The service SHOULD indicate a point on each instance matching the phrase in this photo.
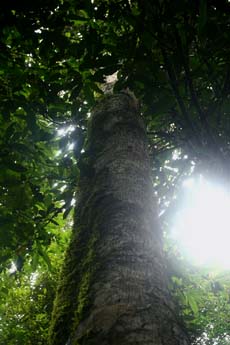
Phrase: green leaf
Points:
(135, 11)
(48, 200)
(192, 303)
(44, 255)
(4, 290)
(83, 14)
(54, 222)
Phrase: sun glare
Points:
(202, 226)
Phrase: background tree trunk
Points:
(113, 289)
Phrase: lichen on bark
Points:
(114, 289)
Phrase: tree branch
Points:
(224, 93)
(194, 98)
(175, 88)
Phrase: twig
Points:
(224, 93)
(194, 97)
(175, 88)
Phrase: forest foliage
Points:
(55, 58)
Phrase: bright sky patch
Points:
(202, 226)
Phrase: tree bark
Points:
(113, 289)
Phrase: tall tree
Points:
(174, 57)
(113, 288)
(54, 58)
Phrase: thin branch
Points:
(175, 88)
(220, 91)
(215, 83)
(225, 91)
(194, 97)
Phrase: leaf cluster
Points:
(55, 59)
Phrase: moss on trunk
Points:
(113, 289)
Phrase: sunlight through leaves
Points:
(202, 225)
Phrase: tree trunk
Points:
(114, 288)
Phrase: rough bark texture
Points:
(113, 289)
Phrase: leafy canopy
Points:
(54, 60)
